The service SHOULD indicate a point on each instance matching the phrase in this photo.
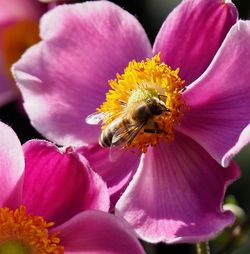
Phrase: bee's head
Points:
(156, 106)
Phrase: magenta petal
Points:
(219, 102)
(192, 33)
(65, 77)
(95, 232)
(117, 174)
(11, 168)
(61, 182)
(176, 194)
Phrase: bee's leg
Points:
(154, 130)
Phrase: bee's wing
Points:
(126, 134)
(122, 137)
(95, 118)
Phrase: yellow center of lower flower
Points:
(148, 100)
(16, 39)
(22, 233)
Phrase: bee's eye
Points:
(156, 109)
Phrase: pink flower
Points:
(177, 186)
(56, 186)
(18, 31)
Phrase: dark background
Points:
(151, 14)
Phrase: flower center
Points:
(16, 39)
(22, 233)
(147, 99)
(13, 247)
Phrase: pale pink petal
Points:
(117, 174)
(192, 33)
(61, 181)
(95, 232)
(65, 77)
(11, 168)
(219, 102)
(176, 194)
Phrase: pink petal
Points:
(117, 174)
(11, 168)
(7, 90)
(95, 232)
(19, 10)
(192, 33)
(47, 1)
(176, 194)
(62, 182)
(7, 94)
(65, 77)
(11, 12)
(219, 102)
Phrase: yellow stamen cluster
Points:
(28, 233)
(140, 81)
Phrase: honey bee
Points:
(125, 127)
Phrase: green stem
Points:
(235, 239)
(202, 248)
